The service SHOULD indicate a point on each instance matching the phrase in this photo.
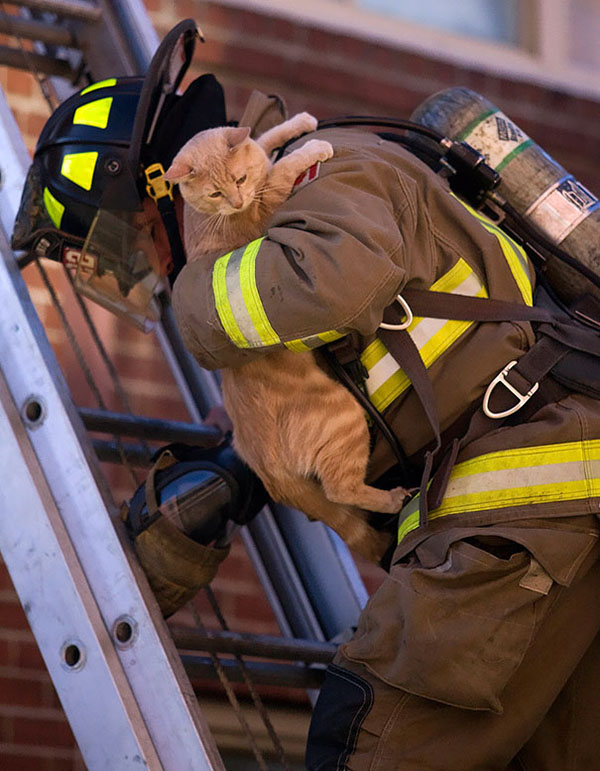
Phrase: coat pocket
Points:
(454, 632)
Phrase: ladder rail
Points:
(153, 670)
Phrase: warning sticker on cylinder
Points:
(497, 138)
(561, 208)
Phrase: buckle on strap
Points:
(500, 379)
(158, 186)
(407, 321)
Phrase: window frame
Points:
(543, 56)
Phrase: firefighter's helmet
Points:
(98, 159)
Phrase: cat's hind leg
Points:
(341, 458)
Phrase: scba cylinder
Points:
(539, 188)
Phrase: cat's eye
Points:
(241, 180)
(216, 194)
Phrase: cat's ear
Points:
(178, 171)
(235, 136)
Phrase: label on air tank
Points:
(559, 210)
(496, 137)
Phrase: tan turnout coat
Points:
(353, 233)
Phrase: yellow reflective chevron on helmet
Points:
(101, 84)
(54, 208)
(79, 168)
(569, 471)
(94, 113)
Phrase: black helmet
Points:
(98, 160)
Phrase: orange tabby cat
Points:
(301, 431)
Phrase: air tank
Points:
(537, 186)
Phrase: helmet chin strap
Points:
(161, 192)
(169, 218)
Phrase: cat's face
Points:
(220, 171)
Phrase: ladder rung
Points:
(51, 34)
(15, 57)
(290, 675)
(69, 9)
(267, 646)
(121, 453)
(149, 428)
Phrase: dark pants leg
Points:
(550, 718)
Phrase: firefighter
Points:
(479, 650)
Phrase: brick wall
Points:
(312, 69)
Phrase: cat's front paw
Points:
(304, 122)
(319, 149)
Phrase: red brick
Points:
(5, 579)
(11, 761)
(29, 656)
(21, 691)
(42, 733)
(13, 615)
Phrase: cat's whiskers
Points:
(210, 225)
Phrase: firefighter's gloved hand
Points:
(182, 519)
(176, 566)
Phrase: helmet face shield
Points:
(119, 266)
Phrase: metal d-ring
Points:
(407, 311)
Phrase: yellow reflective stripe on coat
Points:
(240, 308)
(518, 477)
(432, 337)
(314, 341)
(514, 253)
(237, 301)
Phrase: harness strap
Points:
(558, 334)
(402, 344)
(446, 305)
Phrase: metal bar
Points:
(15, 57)
(265, 646)
(132, 18)
(149, 428)
(328, 571)
(122, 44)
(290, 675)
(202, 384)
(111, 452)
(50, 34)
(68, 9)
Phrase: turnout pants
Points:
(482, 662)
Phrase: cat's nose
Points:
(236, 200)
